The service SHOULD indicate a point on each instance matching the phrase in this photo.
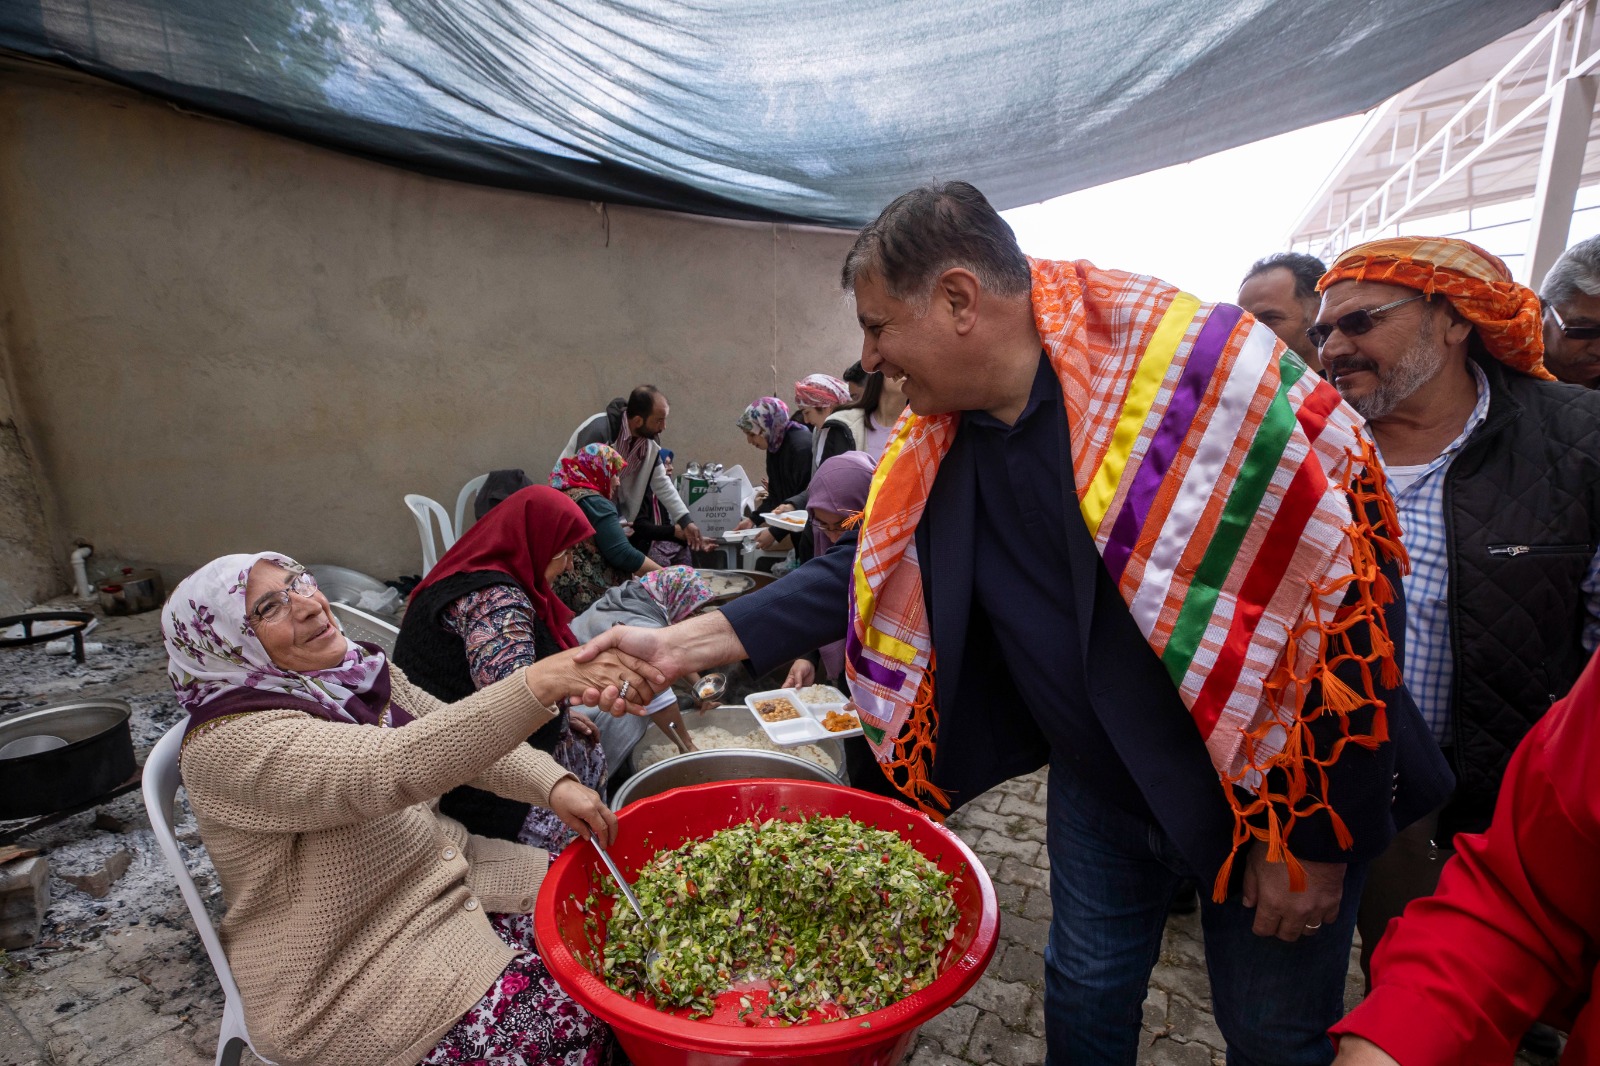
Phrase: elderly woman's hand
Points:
(583, 812)
(614, 681)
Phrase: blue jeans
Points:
(1112, 876)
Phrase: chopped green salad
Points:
(835, 915)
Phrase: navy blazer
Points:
(987, 735)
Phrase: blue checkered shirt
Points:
(1420, 505)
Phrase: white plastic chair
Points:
(427, 511)
(161, 781)
(468, 491)
(363, 625)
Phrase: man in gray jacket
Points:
(633, 426)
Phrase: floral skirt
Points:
(541, 828)
(525, 1019)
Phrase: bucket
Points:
(132, 592)
(653, 1037)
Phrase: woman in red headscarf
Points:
(606, 559)
(486, 610)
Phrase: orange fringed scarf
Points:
(1217, 477)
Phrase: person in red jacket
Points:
(1513, 933)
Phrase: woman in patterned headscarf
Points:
(364, 927)
(606, 559)
(787, 444)
(661, 598)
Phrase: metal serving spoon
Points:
(653, 957)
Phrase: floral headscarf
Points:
(213, 653)
(821, 390)
(677, 589)
(592, 468)
(768, 416)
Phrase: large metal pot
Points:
(718, 764)
(40, 776)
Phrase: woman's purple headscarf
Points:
(841, 484)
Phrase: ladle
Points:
(654, 956)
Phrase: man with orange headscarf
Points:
(1495, 471)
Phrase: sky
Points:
(1197, 225)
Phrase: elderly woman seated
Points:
(657, 600)
(486, 610)
(362, 926)
(606, 559)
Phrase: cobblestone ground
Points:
(1002, 1019)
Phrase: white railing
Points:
(1564, 47)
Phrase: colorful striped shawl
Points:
(1213, 470)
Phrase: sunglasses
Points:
(1573, 333)
(1357, 322)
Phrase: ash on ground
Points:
(130, 665)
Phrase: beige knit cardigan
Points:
(357, 924)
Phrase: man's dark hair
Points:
(1307, 271)
(930, 230)
(854, 375)
(642, 401)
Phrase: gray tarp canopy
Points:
(811, 110)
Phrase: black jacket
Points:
(1522, 512)
(986, 734)
(788, 468)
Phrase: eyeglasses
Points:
(274, 606)
(1357, 322)
(1573, 333)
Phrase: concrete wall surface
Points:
(224, 340)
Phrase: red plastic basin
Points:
(653, 1037)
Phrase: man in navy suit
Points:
(1011, 577)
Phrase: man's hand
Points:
(1354, 1051)
(580, 808)
(765, 540)
(745, 523)
(801, 674)
(595, 680)
(702, 642)
(782, 508)
(1283, 913)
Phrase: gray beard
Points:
(1420, 365)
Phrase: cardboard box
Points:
(716, 505)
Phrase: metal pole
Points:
(1566, 137)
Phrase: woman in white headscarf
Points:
(362, 926)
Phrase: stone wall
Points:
(237, 341)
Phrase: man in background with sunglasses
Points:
(1571, 296)
(1494, 468)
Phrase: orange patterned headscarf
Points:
(1506, 315)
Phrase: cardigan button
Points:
(448, 854)
(471, 904)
